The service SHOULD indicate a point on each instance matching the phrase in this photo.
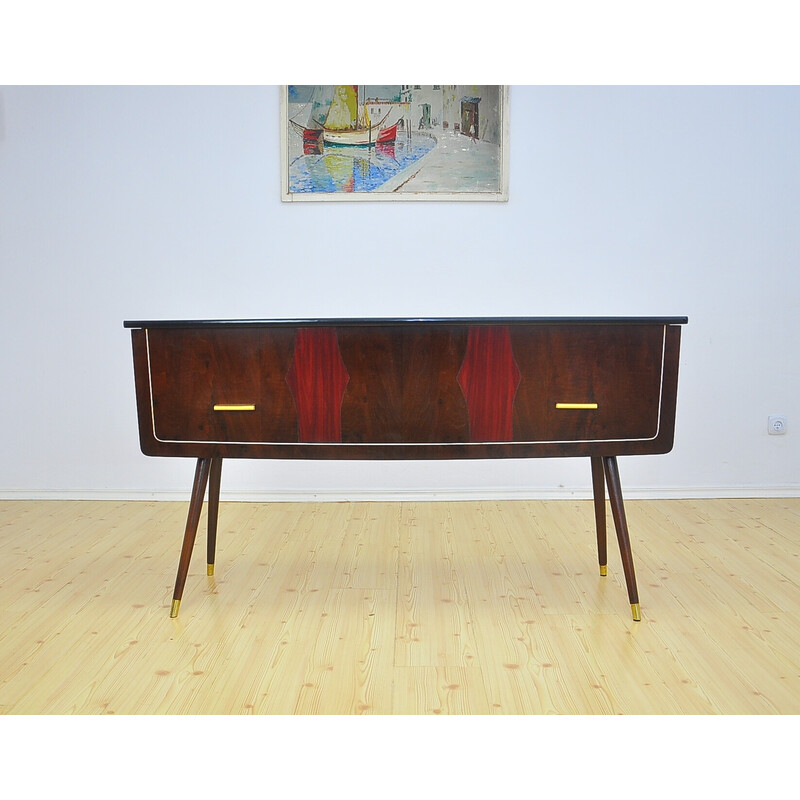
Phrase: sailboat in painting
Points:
(346, 122)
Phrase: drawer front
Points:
(588, 383)
(221, 385)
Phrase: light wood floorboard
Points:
(400, 608)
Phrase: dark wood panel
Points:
(617, 367)
(434, 408)
(192, 371)
(372, 410)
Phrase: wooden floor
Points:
(400, 608)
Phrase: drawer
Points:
(221, 385)
(588, 383)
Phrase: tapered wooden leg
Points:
(195, 507)
(213, 512)
(621, 525)
(599, 491)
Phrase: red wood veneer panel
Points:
(317, 379)
(489, 378)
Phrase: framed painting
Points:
(405, 142)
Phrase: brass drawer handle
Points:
(234, 407)
(577, 405)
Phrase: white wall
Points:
(157, 202)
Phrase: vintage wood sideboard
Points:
(475, 388)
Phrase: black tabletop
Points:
(385, 321)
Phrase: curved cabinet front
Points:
(403, 389)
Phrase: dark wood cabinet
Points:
(407, 389)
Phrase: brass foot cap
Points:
(176, 604)
(637, 614)
(209, 569)
(604, 570)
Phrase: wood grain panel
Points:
(617, 367)
(489, 378)
(434, 409)
(194, 370)
(372, 409)
(318, 378)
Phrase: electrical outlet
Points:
(776, 425)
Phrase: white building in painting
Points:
(469, 109)
(425, 106)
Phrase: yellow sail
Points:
(343, 113)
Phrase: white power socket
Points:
(776, 425)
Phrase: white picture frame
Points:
(394, 143)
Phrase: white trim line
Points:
(398, 445)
